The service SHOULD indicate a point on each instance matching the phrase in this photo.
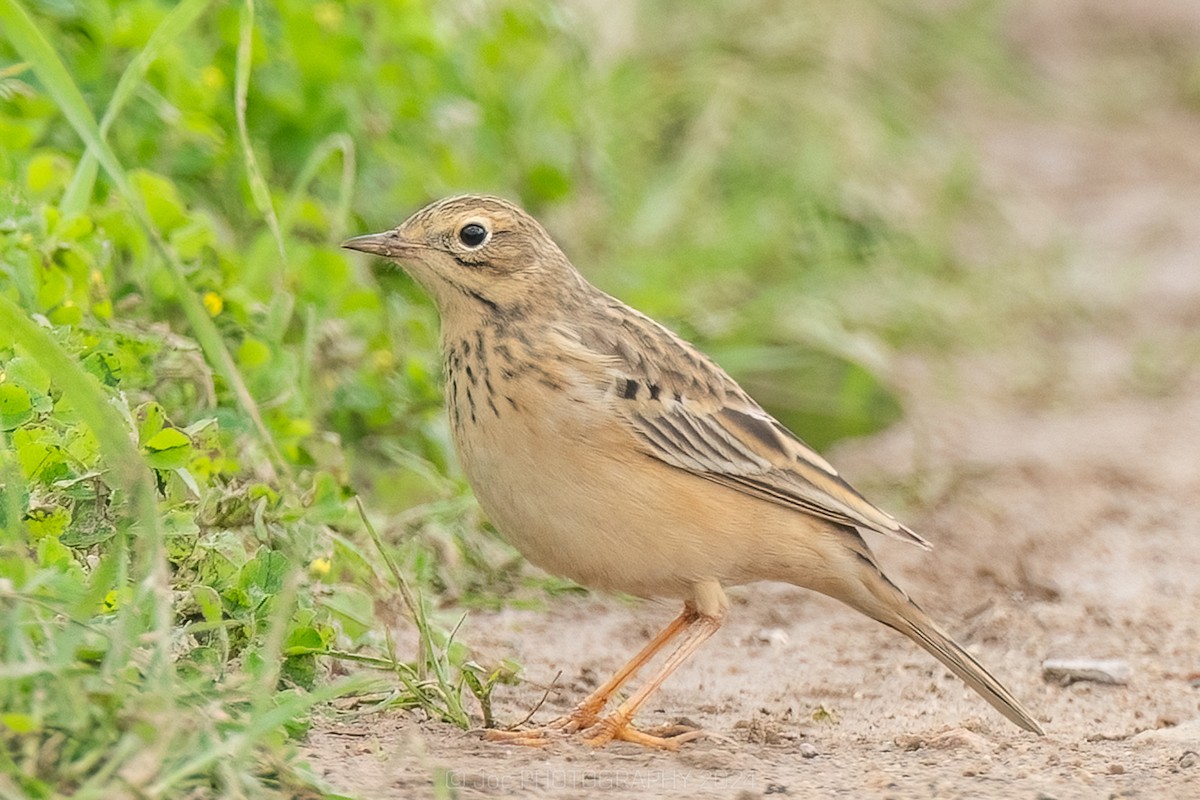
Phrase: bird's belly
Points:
(582, 501)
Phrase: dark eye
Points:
(472, 234)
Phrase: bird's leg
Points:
(585, 713)
(617, 725)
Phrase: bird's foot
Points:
(583, 716)
(534, 737)
(618, 727)
(598, 732)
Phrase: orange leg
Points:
(584, 715)
(617, 725)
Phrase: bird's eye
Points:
(472, 234)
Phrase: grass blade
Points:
(261, 725)
(258, 185)
(432, 655)
(334, 143)
(29, 42)
(179, 20)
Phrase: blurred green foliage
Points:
(766, 177)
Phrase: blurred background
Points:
(812, 192)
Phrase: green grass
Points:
(224, 464)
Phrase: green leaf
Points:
(301, 670)
(306, 639)
(20, 723)
(41, 458)
(151, 419)
(546, 183)
(47, 521)
(33, 46)
(52, 288)
(209, 602)
(46, 173)
(66, 314)
(168, 449)
(253, 353)
(16, 407)
(53, 553)
(106, 366)
(353, 607)
(264, 573)
(26, 372)
(166, 207)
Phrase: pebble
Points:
(771, 636)
(807, 750)
(1066, 671)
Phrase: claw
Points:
(585, 721)
(665, 737)
(582, 717)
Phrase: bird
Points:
(609, 450)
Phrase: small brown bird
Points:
(610, 451)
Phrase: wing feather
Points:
(747, 450)
(686, 411)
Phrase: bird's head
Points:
(475, 252)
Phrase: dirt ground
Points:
(1059, 479)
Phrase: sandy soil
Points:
(1059, 478)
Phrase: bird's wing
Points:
(687, 412)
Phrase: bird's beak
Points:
(388, 244)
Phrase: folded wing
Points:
(726, 438)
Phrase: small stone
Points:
(1066, 671)
(1188, 759)
(772, 636)
(1116, 769)
(807, 750)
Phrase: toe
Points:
(538, 737)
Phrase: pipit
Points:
(610, 451)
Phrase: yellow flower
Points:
(212, 77)
(328, 15)
(320, 567)
(213, 303)
(382, 359)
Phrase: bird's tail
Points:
(879, 598)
